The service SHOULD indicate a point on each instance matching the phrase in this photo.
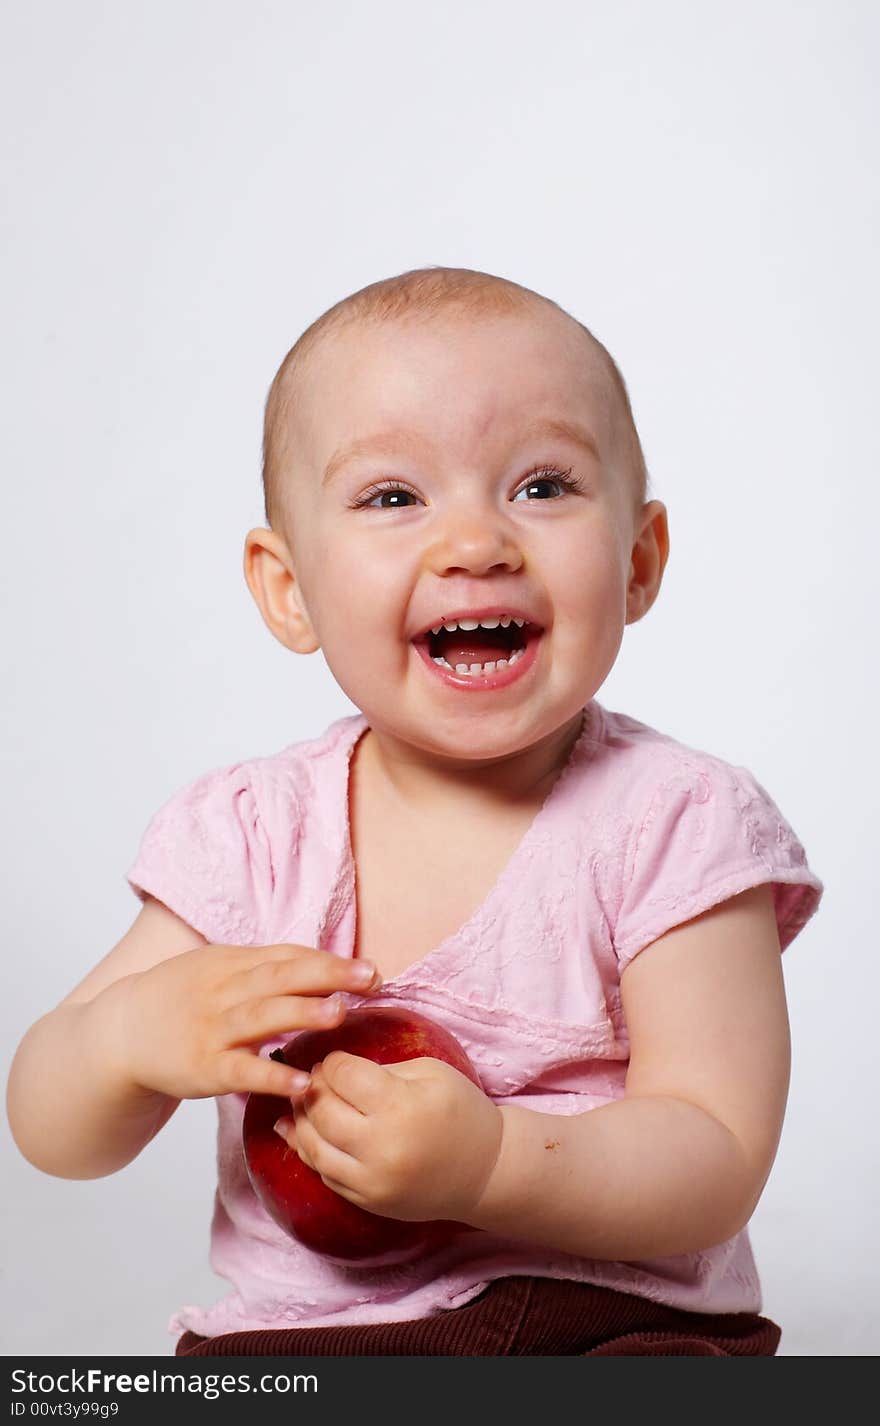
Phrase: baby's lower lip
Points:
(482, 683)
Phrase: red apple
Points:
(293, 1194)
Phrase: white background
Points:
(186, 187)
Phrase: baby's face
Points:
(470, 428)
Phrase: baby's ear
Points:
(271, 579)
(650, 552)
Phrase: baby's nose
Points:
(476, 542)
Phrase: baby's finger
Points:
(345, 1191)
(251, 1022)
(336, 1121)
(326, 1159)
(286, 1130)
(362, 1083)
(243, 1072)
(303, 972)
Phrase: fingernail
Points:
(363, 972)
(283, 1126)
(298, 1082)
(332, 1005)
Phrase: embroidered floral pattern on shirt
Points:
(638, 834)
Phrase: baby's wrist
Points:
(503, 1187)
(110, 1032)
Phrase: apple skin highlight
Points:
(296, 1197)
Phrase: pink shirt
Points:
(638, 834)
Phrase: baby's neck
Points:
(414, 783)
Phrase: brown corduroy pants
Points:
(518, 1317)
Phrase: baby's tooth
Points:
(476, 670)
(469, 624)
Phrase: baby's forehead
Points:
(344, 381)
(550, 358)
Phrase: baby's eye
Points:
(550, 476)
(542, 475)
(376, 492)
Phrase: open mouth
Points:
(478, 646)
(480, 650)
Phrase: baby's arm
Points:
(678, 1164)
(70, 1109)
(675, 1166)
(164, 1016)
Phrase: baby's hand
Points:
(413, 1140)
(191, 1026)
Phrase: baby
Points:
(457, 512)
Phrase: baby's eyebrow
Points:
(387, 442)
(381, 444)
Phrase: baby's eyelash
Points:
(564, 478)
(549, 472)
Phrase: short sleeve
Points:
(710, 831)
(204, 854)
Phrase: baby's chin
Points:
(463, 745)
